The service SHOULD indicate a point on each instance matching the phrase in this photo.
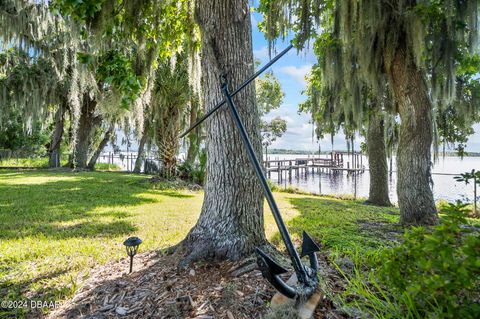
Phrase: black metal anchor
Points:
(271, 270)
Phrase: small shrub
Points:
(433, 273)
(274, 187)
(194, 172)
(107, 167)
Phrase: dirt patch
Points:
(157, 289)
(381, 229)
(332, 284)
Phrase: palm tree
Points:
(170, 99)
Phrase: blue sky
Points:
(291, 70)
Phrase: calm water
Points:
(445, 187)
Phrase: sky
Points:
(291, 70)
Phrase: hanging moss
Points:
(352, 40)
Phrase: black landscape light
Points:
(132, 244)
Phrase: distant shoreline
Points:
(302, 152)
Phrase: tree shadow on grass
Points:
(175, 194)
(67, 207)
(338, 224)
(13, 292)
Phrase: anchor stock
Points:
(241, 87)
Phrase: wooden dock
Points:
(334, 163)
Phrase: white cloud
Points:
(300, 131)
(261, 54)
(298, 73)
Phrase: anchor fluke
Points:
(308, 246)
(274, 267)
(271, 270)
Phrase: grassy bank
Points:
(42, 162)
(55, 227)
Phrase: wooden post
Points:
(354, 186)
(279, 172)
(474, 194)
(290, 170)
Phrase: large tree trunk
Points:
(141, 146)
(194, 136)
(377, 161)
(101, 146)
(54, 149)
(415, 196)
(231, 222)
(86, 123)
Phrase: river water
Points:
(341, 183)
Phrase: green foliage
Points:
(474, 176)
(433, 273)
(269, 93)
(269, 97)
(466, 177)
(28, 84)
(272, 130)
(136, 31)
(14, 136)
(194, 172)
(107, 167)
(80, 10)
(116, 69)
(354, 42)
(171, 96)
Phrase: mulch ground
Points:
(158, 289)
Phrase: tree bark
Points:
(101, 146)
(194, 136)
(415, 196)
(141, 146)
(87, 122)
(167, 140)
(231, 221)
(54, 149)
(377, 161)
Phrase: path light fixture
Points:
(131, 244)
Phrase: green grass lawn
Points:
(42, 162)
(56, 226)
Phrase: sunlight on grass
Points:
(32, 180)
(343, 226)
(56, 226)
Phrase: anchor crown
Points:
(272, 270)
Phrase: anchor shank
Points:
(241, 87)
(297, 264)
